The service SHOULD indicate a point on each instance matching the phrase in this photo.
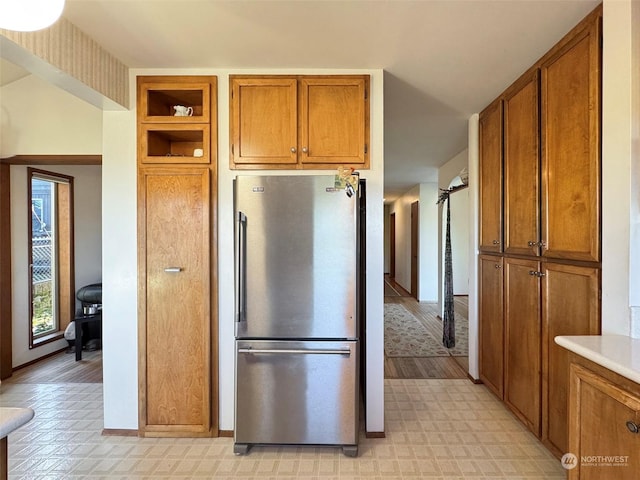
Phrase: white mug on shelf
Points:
(182, 111)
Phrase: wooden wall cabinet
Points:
(300, 122)
(523, 335)
(604, 412)
(492, 323)
(175, 314)
(571, 120)
(177, 283)
(522, 167)
(491, 165)
(570, 306)
(540, 141)
(165, 138)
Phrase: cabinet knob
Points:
(498, 266)
(633, 427)
(496, 242)
(532, 243)
(305, 150)
(293, 149)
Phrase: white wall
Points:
(474, 232)
(38, 118)
(428, 243)
(620, 119)
(427, 196)
(119, 248)
(88, 248)
(460, 212)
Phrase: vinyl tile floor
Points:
(436, 429)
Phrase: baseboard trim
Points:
(476, 381)
(119, 432)
(375, 435)
(225, 433)
(33, 362)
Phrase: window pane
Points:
(42, 256)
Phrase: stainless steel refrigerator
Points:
(297, 289)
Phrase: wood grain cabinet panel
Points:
(602, 417)
(264, 118)
(522, 167)
(175, 336)
(492, 323)
(491, 178)
(523, 333)
(571, 137)
(570, 306)
(333, 126)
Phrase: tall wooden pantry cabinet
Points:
(540, 142)
(177, 302)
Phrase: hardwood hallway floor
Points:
(423, 367)
(61, 368)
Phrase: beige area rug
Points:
(407, 336)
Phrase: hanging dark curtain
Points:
(448, 320)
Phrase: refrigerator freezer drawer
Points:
(295, 392)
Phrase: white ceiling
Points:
(443, 59)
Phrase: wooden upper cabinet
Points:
(264, 120)
(299, 122)
(491, 178)
(491, 323)
(522, 167)
(164, 136)
(333, 126)
(571, 140)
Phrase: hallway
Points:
(423, 367)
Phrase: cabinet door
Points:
(600, 411)
(174, 301)
(522, 167)
(570, 306)
(522, 341)
(263, 122)
(333, 121)
(571, 139)
(491, 324)
(491, 178)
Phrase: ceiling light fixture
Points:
(29, 15)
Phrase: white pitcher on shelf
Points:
(182, 111)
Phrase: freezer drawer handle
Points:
(340, 351)
(173, 269)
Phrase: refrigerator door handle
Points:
(296, 351)
(241, 267)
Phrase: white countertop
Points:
(618, 353)
(13, 418)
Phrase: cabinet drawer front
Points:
(296, 392)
